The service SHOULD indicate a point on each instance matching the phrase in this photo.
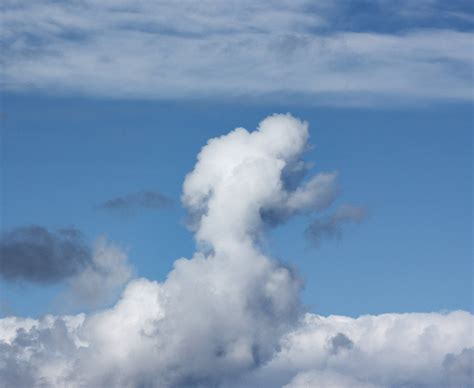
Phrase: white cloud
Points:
(233, 49)
(124, 346)
(102, 279)
(324, 379)
(388, 350)
(230, 316)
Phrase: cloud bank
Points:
(230, 316)
(315, 52)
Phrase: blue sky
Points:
(411, 168)
(107, 100)
(237, 193)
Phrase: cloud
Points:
(100, 282)
(306, 51)
(459, 368)
(123, 347)
(230, 316)
(35, 254)
(324, 379)
(388, 350)
(142, 199)
(331, 226)
(340, 341)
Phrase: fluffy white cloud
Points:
(124, 346)
(230, 316)
(163, 49)
(389, 350)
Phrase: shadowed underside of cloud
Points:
(316, 52)
(142, 199)
(231, 316)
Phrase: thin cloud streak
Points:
(135, 201)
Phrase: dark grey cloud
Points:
(33, 253)
(142, 199)
(340, 341)
(331, 227)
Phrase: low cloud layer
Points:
(124, 347)
(230, 316)
(135, 201)
(317, 52)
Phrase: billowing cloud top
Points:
(239, 175)
(230, 316)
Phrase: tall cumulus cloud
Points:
(230, 316)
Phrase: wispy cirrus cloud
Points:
(324, 52)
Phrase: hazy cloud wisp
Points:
(140, 200)
(331, 227)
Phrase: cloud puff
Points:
(331, 227)
(100, 281)
(231, 316)
(35, 254)
(340, 341)
(142, 199)
(231, 49)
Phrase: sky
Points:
(342, 211)
(411, 169)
